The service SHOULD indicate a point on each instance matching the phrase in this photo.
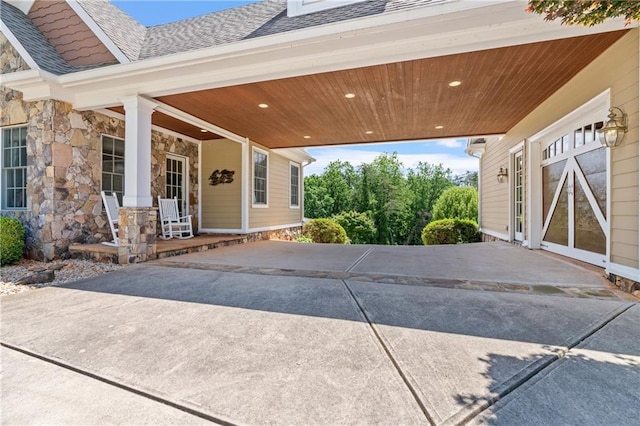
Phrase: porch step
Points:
(164, 248)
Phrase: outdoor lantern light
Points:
(614, 129)
(502, 175)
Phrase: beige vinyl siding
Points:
(616, 69)
(278, 184)
(221, 204)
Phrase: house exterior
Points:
(97, 101)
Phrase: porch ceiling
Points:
(398, 101)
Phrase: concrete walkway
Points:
(158, 344)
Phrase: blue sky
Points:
(449, 152)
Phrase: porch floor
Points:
(164, 248)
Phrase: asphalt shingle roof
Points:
(127, 33)
(245, 22)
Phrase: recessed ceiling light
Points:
(455, 83)
(349, 95)
(203, 130)
(307, 137)
(439, 127)
(369, 132)
(263, 105)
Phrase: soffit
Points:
(398, 101)
(167, 122)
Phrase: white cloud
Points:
(449, 143)
(457, 163)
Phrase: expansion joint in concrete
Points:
(394, 362)
(122, 386)
(536, 371)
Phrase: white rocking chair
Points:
(172, 224)
(111, 206)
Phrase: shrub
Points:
(325, 231)
(303, 239)
(458, 202)
(359, 227)
(12, 236)
(450, 231)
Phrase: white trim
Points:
(167, 132)
(253, 177)
(98, 32)
(246, 162)
(299, 155)
(19, 48)
(297, 7)
(495, 234)
(514, 152)
(27, 206)
(185, 178)
(24, 5)
(221, 231)
(294, 206)
(623, 271)
(195, 121)
(200, 229)
(589, 109)
(596, 259)
(275, 227)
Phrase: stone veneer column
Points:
(137, 234)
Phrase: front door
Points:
(574, 195)
(176, 181)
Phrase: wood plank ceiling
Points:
(400, 101)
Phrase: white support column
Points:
(137, 152)
(246, 184)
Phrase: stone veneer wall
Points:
(63, 167)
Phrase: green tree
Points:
(458, 202)
(360, 227)
(426, 183)
(585, 12)
(383, 191)
(467, 179)
(317, 201)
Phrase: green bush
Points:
(303, 239)
(325, 231)
(458, 202)
(12, 236)
(359, 227)
(450, 231)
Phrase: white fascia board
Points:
(18, 46)
(297, 155)
(35, 85)
(95, 29)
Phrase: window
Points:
(294, 173)
(260, 175)
(14, 168)
(113, 166)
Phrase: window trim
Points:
(294, 206)
(255, 205)
(124, 174)
(3, 204)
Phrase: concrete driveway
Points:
(249, 337)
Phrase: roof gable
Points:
(68, 34)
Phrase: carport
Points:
(287, 333)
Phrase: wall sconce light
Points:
(614, 129)
(502, 175)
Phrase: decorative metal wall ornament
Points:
(221, 176)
